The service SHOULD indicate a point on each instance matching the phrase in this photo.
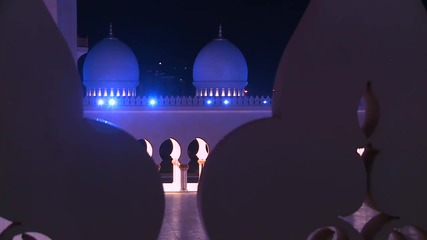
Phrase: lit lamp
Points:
(100, 102)
(201, 154)
(112, 102)
(152, 102)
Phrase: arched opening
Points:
(169, 151)
(166, 166)
(198, 151)
(147, 146)
(149, 149)
(192, 150)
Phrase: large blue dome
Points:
(220, 67)
(111, 64)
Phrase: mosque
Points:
(317, 176)
(177, 131)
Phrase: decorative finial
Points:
(111, 30)
(220, 32)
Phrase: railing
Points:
(177, 101)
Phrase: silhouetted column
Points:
(201, 163)
(184, 169)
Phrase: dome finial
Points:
(220, 32)
(111, 30)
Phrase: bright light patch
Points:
(176, 150)
(152, 102)
(360, 151)
(101, 102)
(112, 102)
(203, 151)
(226, 102)
(149, 148)
(106, 122)
(209, 102)
(264, 102)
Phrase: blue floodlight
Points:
(264, 102)
(152, 102)
(112, 102)
(226, 102)
(100, 102)
(209, 101)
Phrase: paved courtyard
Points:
(181, 220)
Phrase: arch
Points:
(147, 146)
(169, 151)
(176, 150)
(198, 151)
(203, 151)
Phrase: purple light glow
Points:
(112, 102)
(152, 102)
(100, 102)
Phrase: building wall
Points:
(183, 124)
(53, 9)
(64, 13)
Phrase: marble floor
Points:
(181, 220)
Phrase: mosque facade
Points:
(177, 131)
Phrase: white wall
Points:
(64, 13)
(180, 123)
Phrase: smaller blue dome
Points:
(220, 67)
(220, 64)
(111, 63)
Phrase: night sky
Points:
(174, 31)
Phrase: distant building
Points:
(176, 130)
(220, 69)
(64, 13)
(111, 69)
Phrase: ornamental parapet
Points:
(170, 101)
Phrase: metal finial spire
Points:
(220, 32)
(111, 30)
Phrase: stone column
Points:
(184, 169)
(201, 163)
